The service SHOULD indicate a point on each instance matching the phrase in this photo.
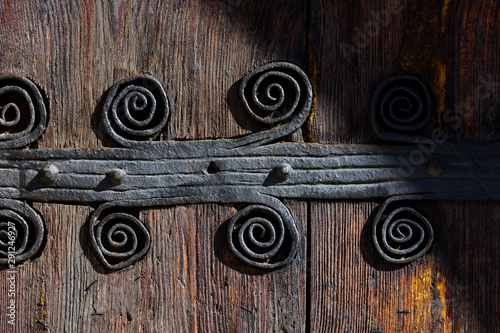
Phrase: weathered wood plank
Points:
(188, 281)
(453, 48)
(219, 293)
(198, 50)
(51, 290)
(345, 65)
(453, 288)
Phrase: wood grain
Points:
(346, 65)
(453, 47)
(76, 50)
(188, 282)
(453, 288)
(199, 50)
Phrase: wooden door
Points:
(75, 51)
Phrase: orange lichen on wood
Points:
(421, 290)
(447, 325)
(41, 310)
(423, 50)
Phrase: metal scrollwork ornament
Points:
(401, 106)
(258, 171)
(401, 234)
(119, 239)
(274, 93)
(279, 95)
(261, 237)
(21, 232)
(23, 113)
(136, 109)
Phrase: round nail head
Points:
(284, 171)
(49, 173)
(117, 176)
(436, 167)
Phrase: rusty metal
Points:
(180, 169)
(119, 239)
(256, 170)
(284, 171)
(275, 93)
(117, 176)
(49, 173)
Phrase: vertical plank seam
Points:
(308, 137)
(308, 269)
(312, 72)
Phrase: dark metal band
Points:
(185, 169)
(253, 170)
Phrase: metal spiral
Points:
(136, 109)
(401, 104)
(23, 115)
(403, 236)
(258, 236)
(21, 232)
(119, 240)
(12, 108)
(276, 93)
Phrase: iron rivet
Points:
(436, 167)
(284, 171)
(117, 176)
(49, 173)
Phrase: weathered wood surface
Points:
(188, 282)
(453, 47)
(75, 50)
(453, 288)
(199, 49)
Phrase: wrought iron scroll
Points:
(262, 237)
(400, 233)
(23, 114)
(136, 110)
(119, 239)
(401, 108)
(278, 94)
(255, 171)
(21, 232)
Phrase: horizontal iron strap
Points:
(318, 171)
(221, 148)
(467, 189)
